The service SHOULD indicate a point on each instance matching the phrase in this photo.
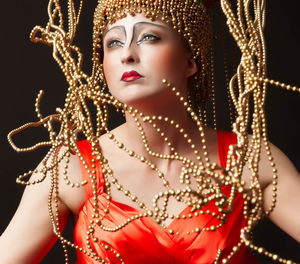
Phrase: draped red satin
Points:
(144, 241)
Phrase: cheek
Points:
(109, 68)
(168, 61)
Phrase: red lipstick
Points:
(131, 76)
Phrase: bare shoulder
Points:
(275, 164)
(119, 132)
(71, 193)
(108, 147)
(282, 185)
(67, 173)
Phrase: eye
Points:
(114, 43)
(148, 37)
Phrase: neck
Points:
(161, 114)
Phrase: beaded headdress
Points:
(247, 90)
(189, 18)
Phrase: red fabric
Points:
(144, 241)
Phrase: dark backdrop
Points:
(26, 68)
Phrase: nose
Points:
(129, 55)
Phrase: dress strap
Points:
(225, 139)
(86, 152)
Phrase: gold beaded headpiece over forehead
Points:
(189, 18)
(245, 20)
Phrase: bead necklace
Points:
(159, 214)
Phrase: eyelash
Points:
(114, 43)
(151, 37)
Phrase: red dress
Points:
(144, 241)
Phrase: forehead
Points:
(131, 20)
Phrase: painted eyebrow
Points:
(115, 27)
(138, 24)
(135, 26)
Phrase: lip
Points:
(131, 76)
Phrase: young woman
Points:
(162, 187)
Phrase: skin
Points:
(128, 46)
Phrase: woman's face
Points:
(139, 54)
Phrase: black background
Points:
(27, 68)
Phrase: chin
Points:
(138, 94)
(136, 101)
(154, 103)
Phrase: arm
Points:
(286, 214)
(29, 236)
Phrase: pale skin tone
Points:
(149, 48)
